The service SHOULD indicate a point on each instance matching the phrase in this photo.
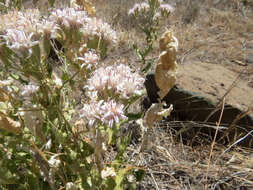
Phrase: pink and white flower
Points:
(29, 90)
(139, 8)
(19, 41)
(91, 112)
(103, 112)
(118, 79)
(69, 17)
(113, 112)
(166, 8)
(89, 60)
(96, 27)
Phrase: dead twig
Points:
(212, 145)
(233, 124)
(239, 140)
(156, 185)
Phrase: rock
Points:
(191, 106)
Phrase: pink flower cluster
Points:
(29, 90)
(96, 27)
(107, 113)
(25, 21)
(90, 27)
(30, 26)
(140, 8)
(22, 30)
(116, 79)
(69, 17)
(20, 42)
(89, 60)
(167, 8)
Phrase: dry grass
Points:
(172, 164)
(209, 31)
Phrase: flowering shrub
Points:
(61, 108)
(148, 15)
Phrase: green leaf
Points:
(46, 47)
(36, 54)
(65, 76)
(6, 55)
(122, 144)
(110, 135)
(139, 174)
(88, 149)
(98, 44)
(51, 2)
(120, 176)
(147, 66)
(134, 116)
(73, 154)
(6, 177)
(33, 181)
(110, 184)
(138, 52)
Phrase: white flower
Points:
(157, 15)
(25, 21)
(166, 8)
(113, 112)
(119, 79)
(29, 90)
(71, 186)
(97, 83)
(19, 41)
(48, 28)
(104, 147)
(69, 17)
(54, 162)
(48, 145)
(57, 80)
(108, 172)
(4, 83)
(160, 1)
(139, 8)
(96, 27)
(91, 112)
(89, 60)
(74, 5)
(107, 113)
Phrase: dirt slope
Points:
(213, 81)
